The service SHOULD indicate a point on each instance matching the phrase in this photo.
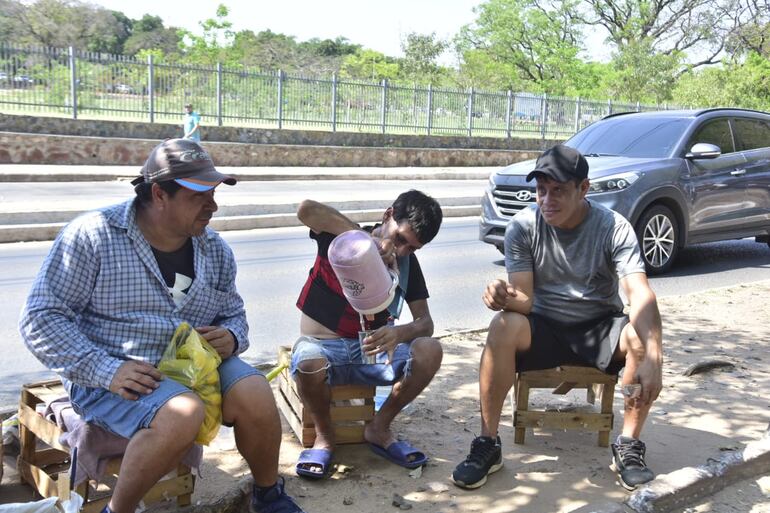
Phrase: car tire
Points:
(658, 235)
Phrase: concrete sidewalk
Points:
(39, 200)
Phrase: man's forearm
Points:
(645, 318)
(420, 327)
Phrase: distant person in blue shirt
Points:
(192, 124)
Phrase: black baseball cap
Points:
(185, 162)
(561, 163)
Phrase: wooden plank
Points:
(349, 434)
(291, 396)
(291, 417)
(363, 412)
(168, 488)
(563, 420)
(46, 430)
(580, 375)
(38, 478)
(47, 392)
(344, 392)
(563, 388)
(45, 457)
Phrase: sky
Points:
(376, 24)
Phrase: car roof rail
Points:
(718, 109)
(616, 114)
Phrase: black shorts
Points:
(590, 343)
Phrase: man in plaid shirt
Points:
(106, 302)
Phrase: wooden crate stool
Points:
(562, 380)
(351, 407)
(47, 469)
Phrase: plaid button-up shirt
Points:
(100, 299)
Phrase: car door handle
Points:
(738, 172)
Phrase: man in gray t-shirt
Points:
(565, 258)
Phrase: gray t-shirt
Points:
(576, 272)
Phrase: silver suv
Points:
(680, 177)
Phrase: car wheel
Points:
(658, 238)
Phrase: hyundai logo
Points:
(523, 195)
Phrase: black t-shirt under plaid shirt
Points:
(322, 299)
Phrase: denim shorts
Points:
(124, 417)
(344, 364)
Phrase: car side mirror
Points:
(703, 151)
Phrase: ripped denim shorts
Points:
(344, 364)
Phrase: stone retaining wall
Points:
(28, 148)
(159, 131)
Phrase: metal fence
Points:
(77, 84)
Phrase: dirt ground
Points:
(556, 471)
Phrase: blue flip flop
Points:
(314, 457)
(401, 453)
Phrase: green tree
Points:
(421, 54)
(211, 46)
(641, 74)
(148, 33)
(534, 42)
(370, 65)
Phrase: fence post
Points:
(151, 87)
(543, 115)
(280, 99)
(609, 106)
(508, 109)
(73, 82)
(577, 115)
(384, 106)
(430, 107)
(638, 107)
(219, 94)
(470, 112)
(334, 102)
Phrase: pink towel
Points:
(96, 446)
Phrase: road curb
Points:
(247, 176)
(677, 489)
(48, 230)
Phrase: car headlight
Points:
(613, 183)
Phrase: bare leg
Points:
(250, 406)
(155, 451)
(426, 360)
(316, 397)
(635, 412)
(508, 334)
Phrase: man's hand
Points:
(497, 293)
(134, 379)
(383, 340)
(220, 339)
(650, 375)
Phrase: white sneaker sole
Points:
(480, 482)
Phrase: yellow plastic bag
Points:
(190, 360)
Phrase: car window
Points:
(715, 132)
(630, 137)
(752, 134)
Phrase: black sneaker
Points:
(486, 457)
(628, 463)
(274, 501)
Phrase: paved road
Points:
(47, 196)
(273, 264)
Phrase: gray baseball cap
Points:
(185, 162)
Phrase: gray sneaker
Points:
(628, 463)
